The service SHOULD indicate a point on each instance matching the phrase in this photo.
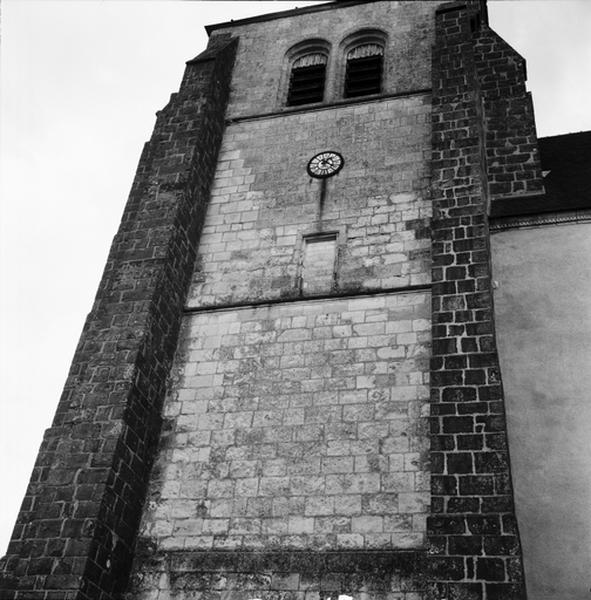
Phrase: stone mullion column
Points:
(474, 546)
(76, 530)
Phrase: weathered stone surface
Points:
(299, 426)
(264, 202)
(471, 540)
(309, 575)
(261, 73)
(305, 440)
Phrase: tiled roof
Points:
(568, 160)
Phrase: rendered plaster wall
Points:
(543, 320)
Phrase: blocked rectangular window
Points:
(319, 262)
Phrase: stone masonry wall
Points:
(475, 551)
(263, 202)
(513, 167)
(298, 426)
(275, 574)
(292, 462)
(261, 73)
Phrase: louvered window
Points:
(363, 74)
(306, 84)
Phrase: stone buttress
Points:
(75, 533)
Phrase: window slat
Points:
(363, 76)
(306, 84)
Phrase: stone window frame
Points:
(361, 37)
(336, 63)
(296, 53)
(340, 235)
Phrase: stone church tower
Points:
(288, 386)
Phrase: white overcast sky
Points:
(80, 83)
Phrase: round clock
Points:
(325, 164)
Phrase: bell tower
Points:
(288, 385)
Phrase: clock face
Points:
(325, 164)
